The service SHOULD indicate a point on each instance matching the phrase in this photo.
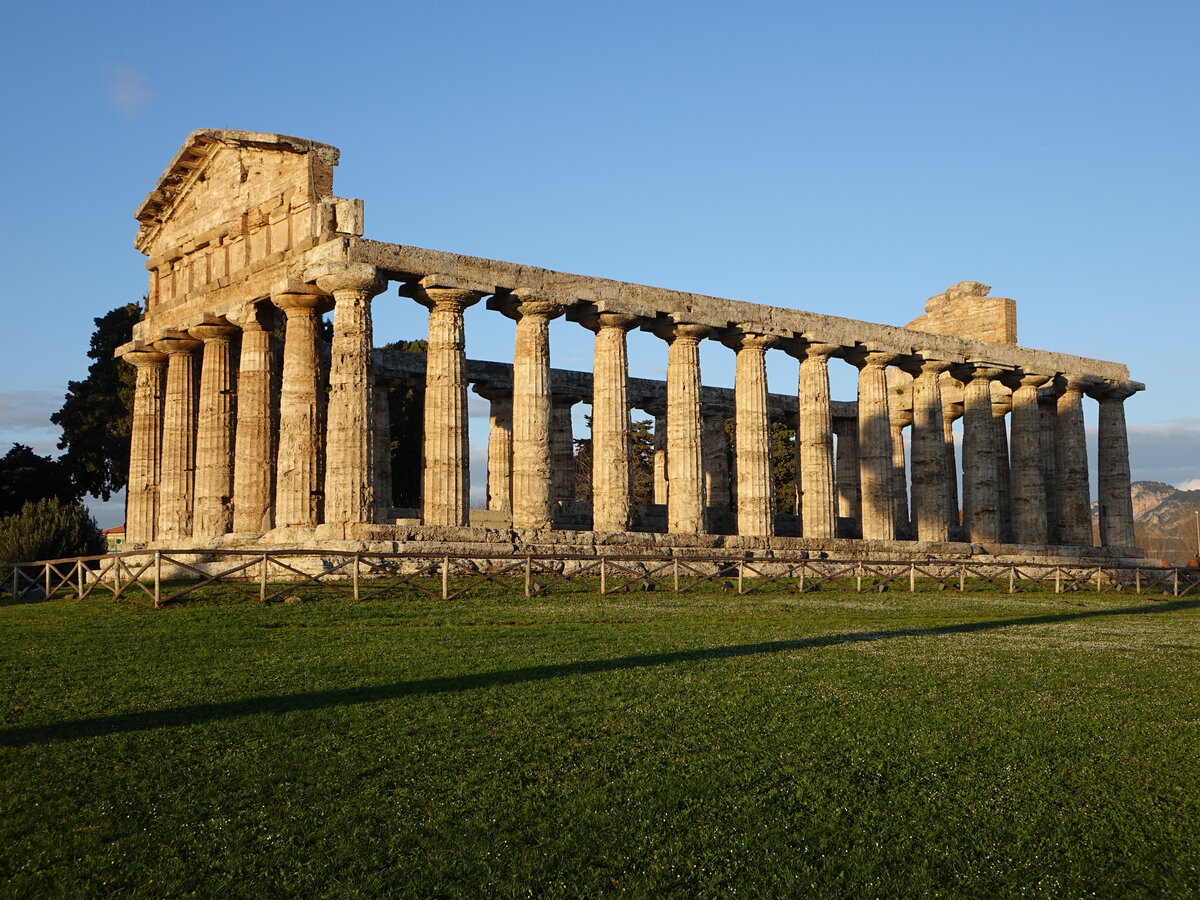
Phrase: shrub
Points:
(49, 529)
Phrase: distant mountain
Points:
(1165, 519)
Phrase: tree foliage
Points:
(97, 415)
(25, 476)
(49, 529)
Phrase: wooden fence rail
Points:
(165, 576)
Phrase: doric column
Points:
(500, 446)
(814, 440)
(349, 476)
(715, 443)
(752, 433)
(562, 447)
(381, 447)
(531, 474)
(253, 460)
(1048, 416)
(875, 445)
(1071, 463)
(1028, 488)
(1001, 404)
(981, 514)
(659, 411)
(298, 499)
(612, 465)
(849, 493)
(899, 419)
(145, 439)
(1116, 504)
(177, 467)
(447, 475)
(685, 468)
(929, 476)
(213, 513)
(950, 412)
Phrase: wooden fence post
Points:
(157, 579)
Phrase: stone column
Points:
(349, 476)
(875, 446)
(1001, 404)
(381, 448)
(253, 460)
(1048, 414)
(814, 441)
(1028, 489)
(899, 420)
(612, 462)
(929, 476)
(685, 467)
(213, 513)
(562, 447)
(950, 412)
(981, 514)
(531, 474)
(1071, 463)
(849, 493)
(1116, 504)
(298, 499)
(446, 485)
(752, 433)
(715, 444)
(659, 411)
(500, 446)
(145, 441)
(177, 467)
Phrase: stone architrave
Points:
(685, 464)
(875, 445)
(814, 441)
(562, 447)
(1071, 463)
(532, 457)
(213, 508)
(253, 460)
(349, 475)
(381, 447)
(980, 480)
(752, 433)
(929, 475)
(298, 500)
(447, 476)
(1116, 503)
(1001, 405)
(1028, 488)
(612, 464)
(177, 472)
(499, 446)
(141, 496)
(715, 442)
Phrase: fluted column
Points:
(145, 441)
(659, 411)
(213, 513)
(685, 465)
(298, 499)
(875, 446)
(253, 460)
(1048, 415)
(611, 452)
(1028, 488)
(562, 447)
(981, 513)
(950, 412)
(849, 492)
(177, 471)
(929, 475)
(1001, 405)
(899, 419)
(1071, 463)
(381, 448)
(1116, 504)
(752, 433)
(500, 446)
(446, 485)
(531, 475)
(715, 442)
(349, 476)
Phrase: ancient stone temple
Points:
(251, 427)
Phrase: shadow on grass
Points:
(201, 713)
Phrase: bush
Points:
(49, 529)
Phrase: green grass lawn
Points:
(827, 744)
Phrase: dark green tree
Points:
(26, 477)
(406, 405)
(49, 529)
(97, 413)
(641, 438)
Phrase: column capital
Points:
(359, 278)
(656, 407)
(596, 320)
(565, 399)
(1021, 379)
(176, 342)
(489, 390)
(213, 331)
(803, 349)
(923, 363)
(865, 357)
(521, 303)
(952, 412)
(1075, 384)
(1116, 390)
(975, 371)
(671, 331)
(144, 356)
(299, 303)
(742, 337)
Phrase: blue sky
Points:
(850, 158)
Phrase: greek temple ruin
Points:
(250, 428)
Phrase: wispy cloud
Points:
(128, 90)
(25, 419)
